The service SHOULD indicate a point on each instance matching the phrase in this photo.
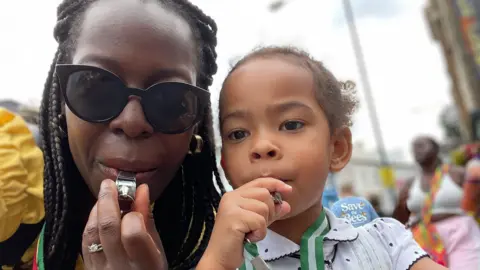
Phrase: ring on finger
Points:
(94, 248)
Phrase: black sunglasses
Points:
(97, 95)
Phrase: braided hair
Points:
(186, 223)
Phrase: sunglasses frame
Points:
(64, 71)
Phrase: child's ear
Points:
(340, 149)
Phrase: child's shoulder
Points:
(390, 237)
(385, 226)
(388, 232)
(382, 242)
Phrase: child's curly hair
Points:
(338, 99)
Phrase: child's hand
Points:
(243, 213)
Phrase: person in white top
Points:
(284, 121)
(432, 204)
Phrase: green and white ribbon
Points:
(39, 262)
(250, 252)
(311, 247)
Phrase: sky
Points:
(406, 69)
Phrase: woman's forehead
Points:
(133, 31)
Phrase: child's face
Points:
(273, 126)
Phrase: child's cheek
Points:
(229, 173)
(235, 181)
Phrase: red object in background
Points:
(471, 187)
(34, 266)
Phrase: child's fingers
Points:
(281, 210)
(266, 210)
(256, 224)
(272, 184)
(260, 200)
(262, 196)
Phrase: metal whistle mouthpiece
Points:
(277, 198)
(126, 187)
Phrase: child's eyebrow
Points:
(288, 106)
(274, 109)
(234, 114)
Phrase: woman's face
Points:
(424, 151)
(143, 44)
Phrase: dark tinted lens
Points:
(95, 95)
(171, 107)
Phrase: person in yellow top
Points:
(21, 191)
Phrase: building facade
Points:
(455, 25)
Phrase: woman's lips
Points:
(141, 176)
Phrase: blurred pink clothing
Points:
(461, 238)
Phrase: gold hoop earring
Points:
(196, 145)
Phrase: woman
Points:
(438, 222)
(96, 122)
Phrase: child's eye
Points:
(237, 135)
(292, 125)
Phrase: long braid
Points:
(200, 167)
(186, 228)
(45, 134)
(56, 195)
(208, 33)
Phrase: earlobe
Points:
(341, 149)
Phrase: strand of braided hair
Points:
(188, 224)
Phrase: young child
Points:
(284, 121)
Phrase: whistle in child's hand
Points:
(259, 264)
(126, 187)
(277, 198)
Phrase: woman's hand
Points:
(131, 242)
(243, 213)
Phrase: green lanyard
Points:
(311, 247)
(40, 255)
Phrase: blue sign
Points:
(357, 210)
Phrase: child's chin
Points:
(288, 216)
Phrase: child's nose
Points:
(265, 149)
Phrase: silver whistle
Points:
(277, 198)
(259, 264)
(126, 187)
